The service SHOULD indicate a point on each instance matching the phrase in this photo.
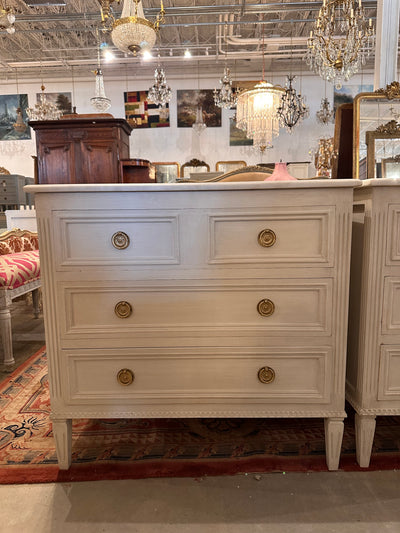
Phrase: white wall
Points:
(181, 144)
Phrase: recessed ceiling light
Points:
(147, 55)
(108, 55)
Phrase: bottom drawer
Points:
(389, 373)
(189, 375)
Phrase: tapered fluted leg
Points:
(333, 441)
(365, 431)
(62, 432)
(5, 327)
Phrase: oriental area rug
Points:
(144, 448)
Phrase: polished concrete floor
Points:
(359, 502)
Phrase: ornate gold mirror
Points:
(383, 149)
(375, 113)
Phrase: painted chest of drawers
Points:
(12, 190)
(373, 366)
(196, 300)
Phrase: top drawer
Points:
(195, 238)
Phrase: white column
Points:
(387, 36)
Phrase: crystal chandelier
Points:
(133, 33)
(7, 19)
(292, 108)
(325, 112)
(44, 110)
(256, 113)
(199, 125)
(99, 101)
(160, 93)
(225, 97)
(19, 125)
(341, 40)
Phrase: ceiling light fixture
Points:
(7, 19)
(225, 97)
(187, 53)
(341, 40)
(44, 110)
(325, 112)
(199, 125)
(160, 93)
(99, 101)
(19, 125)
(133, 33)
(256, 111)
(292, 108)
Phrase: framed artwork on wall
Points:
(143, 113)
(189, 100)
(9, 103)
(346, 94)
(237, 137)
(61, 100)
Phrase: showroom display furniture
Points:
(373, 359)
(19, 274)
(196, 300)
(12, 192)
(81, 150)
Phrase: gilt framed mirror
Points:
(373, 112)
(383, 147)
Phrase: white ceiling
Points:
(57, 40)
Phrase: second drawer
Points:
(273, 307)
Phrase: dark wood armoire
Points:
(81, 150)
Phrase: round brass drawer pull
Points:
(125, 376)
(266, 238)
(266, 374)
(123, 309)
(120, 240)
(266, 307)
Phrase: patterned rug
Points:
(128, 449)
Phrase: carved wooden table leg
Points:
(333, 441)
(35, 302)
(5, 327)
(62, 431)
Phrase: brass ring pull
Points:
(120, 240)
(123, 309)
(125, 376)
(266, 238)
(266, 374)
(265, 307)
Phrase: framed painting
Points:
(347, 93)
(140, 112)
(189, 100)
(61, 100)
(9, 103)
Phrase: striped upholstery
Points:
(19, 268)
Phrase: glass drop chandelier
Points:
(133, 33)
(256, 113)
(224, 97)
(325, 112)
(99, 101)
(341, 40)
(292, 108)
(160, 93)
(7, 19)
(44, 110)
(199, 125)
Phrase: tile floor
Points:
(345, 502)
